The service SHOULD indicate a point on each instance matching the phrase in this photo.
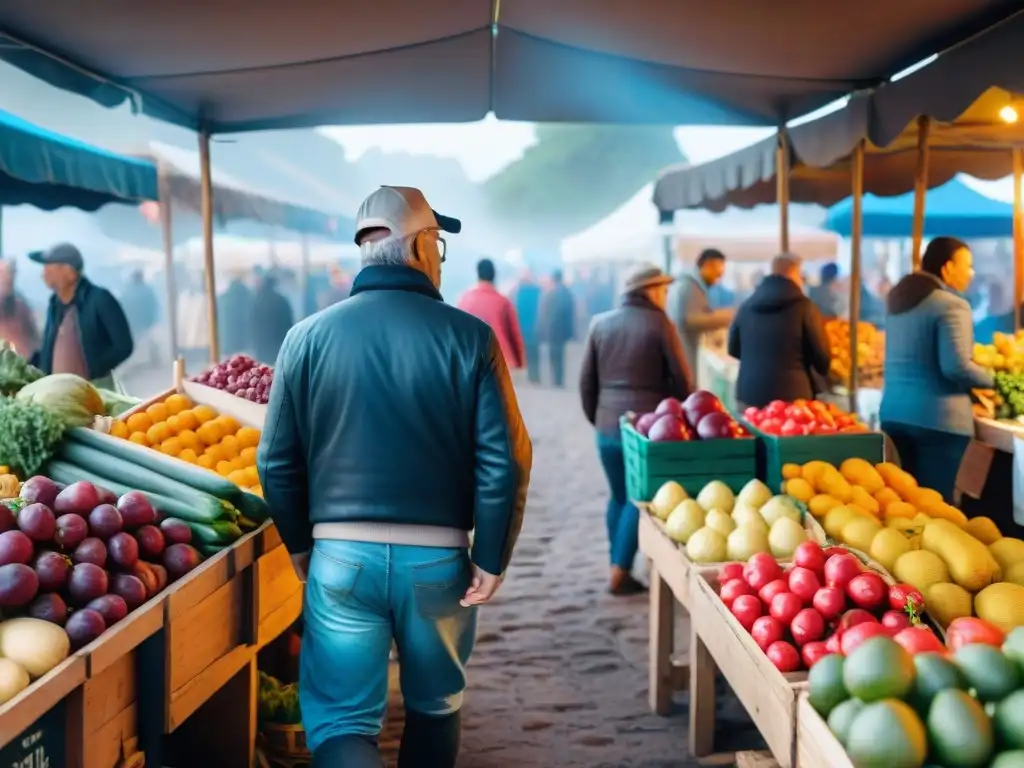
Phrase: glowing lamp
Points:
(1009, 114)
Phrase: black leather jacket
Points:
(393, 406)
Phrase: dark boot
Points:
(349, 751)
(430, 742)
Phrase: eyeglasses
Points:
(442, 247)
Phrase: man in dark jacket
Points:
(235, 318)
(557, 324)
(86, 330)
(392, 432)
(272, 318)
(779, 338)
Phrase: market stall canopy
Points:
(962, 92)
(49, 171)
(953, 209)
(224, 66)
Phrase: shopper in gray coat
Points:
(691, 310)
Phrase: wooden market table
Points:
(986, 478)
(183, 663)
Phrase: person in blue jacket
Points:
(526, 298)
(929, 371)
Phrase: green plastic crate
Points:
(774, 451)
(692, 464)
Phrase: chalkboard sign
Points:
(41, 745)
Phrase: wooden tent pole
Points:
(206, 186)
(1018, 237)
(782, 188)
(170, 278)
(856, 237)
(920, 190)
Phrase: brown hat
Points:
(646, 276)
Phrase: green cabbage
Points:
(70, 398)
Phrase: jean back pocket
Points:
(439, 586)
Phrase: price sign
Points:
(41, 745)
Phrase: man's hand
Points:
(300, 563)
(481, 588)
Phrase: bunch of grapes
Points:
(1010, 388)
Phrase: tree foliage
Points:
(575, 175)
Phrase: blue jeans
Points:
(359, 597)
(621, 516)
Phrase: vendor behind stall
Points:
(779, 338)
(929, 373)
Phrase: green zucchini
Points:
(187, 474)
(209, 550)
(252, 506)
(140, 478)
(246, 524)
(64, 472)
(218, 533)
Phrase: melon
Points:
(1001, 604)
(668, 497)
(684, 521)
(706, 546)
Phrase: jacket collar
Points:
(81, 294)
(394, 278)
(638, 299)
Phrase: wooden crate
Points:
(278, 589)
(211, 632)
(718, 640)
(40, 723)
(816, 747)
(669, 591)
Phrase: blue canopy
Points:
(49, 171)
(952, 209)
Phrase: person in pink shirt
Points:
(486, 303)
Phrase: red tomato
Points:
(835, 550)
(856, 635)
(919, 639)
(830, 602)
(967, 631)
(791, 429)
(783, 656)
(840, 570)
(746, 609)
(732, 589)
(752, 415)
(785, 606)
(868, 591)
(776, 409)
(761, 569)
(899, 594)
(895, 621)
(824, 429)
(730, 571)
(770, 426)
(767, 630)
(811, 652)
(768, 592)
(807, 627)
(832, 645)
(804, 583)
(855, 617)
(809, 555)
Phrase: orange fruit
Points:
(252, 477)
(139, 438)
(206, 462)
(158, 433)
(248, 437)
(188, 438)
(208, 433)
(247, 456)
(228, 424)
(171, 446)
(119, 429)
(257, 490)
(204, 413)
(158, 412)
(174, 424)
(235, 464)
(230, 447)
(139, 422)
(188, 455)
(238, 477)
(188, 420)
(215, 453)
(177, 403)
(224, 468)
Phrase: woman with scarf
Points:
(632, 361)
(929, 371)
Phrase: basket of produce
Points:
(808, 430)
(1005, 353)
(691, 442)
(891, 704)
(282, 737)
(718, 527)
(870, 353)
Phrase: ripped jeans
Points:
(359, 597)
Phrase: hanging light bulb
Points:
(1009, 114)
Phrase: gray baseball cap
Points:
(402, 210)
(64, 253)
